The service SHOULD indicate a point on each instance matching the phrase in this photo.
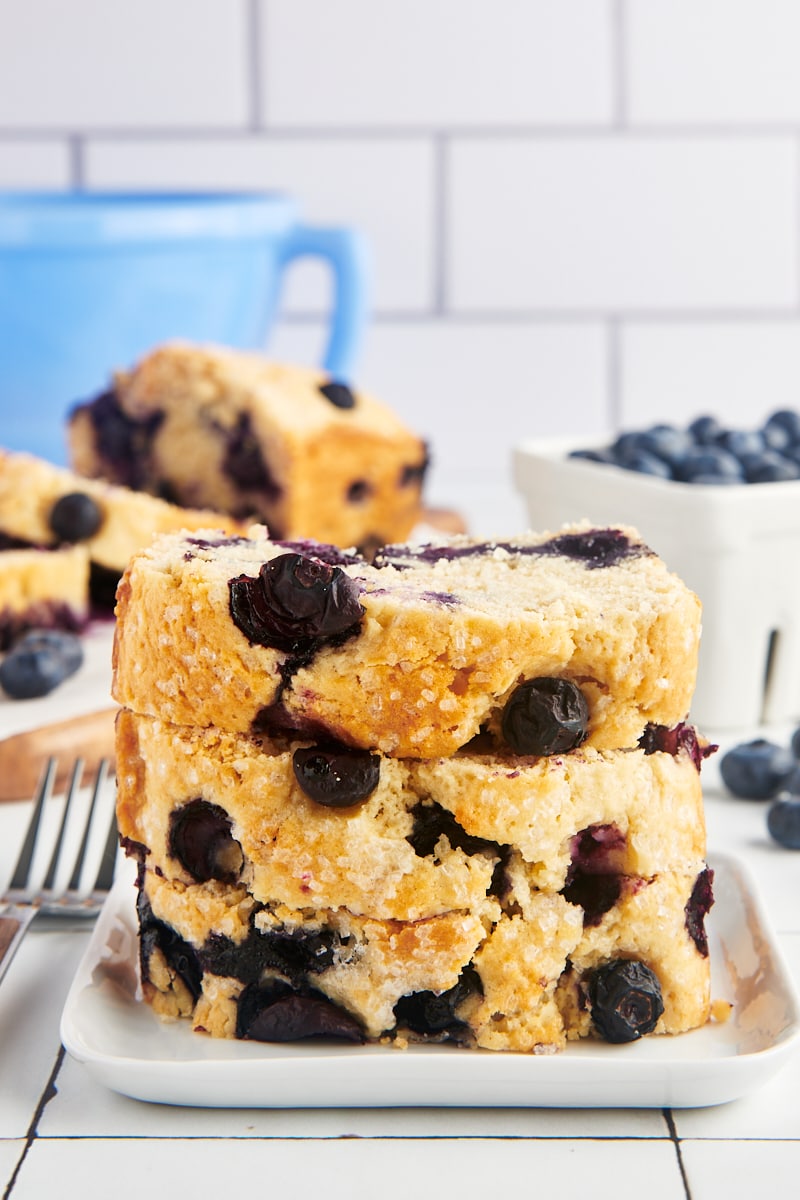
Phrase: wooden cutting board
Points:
(24, 755)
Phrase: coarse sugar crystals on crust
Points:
(413, 655)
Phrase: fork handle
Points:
(14, 923)
(23, 756)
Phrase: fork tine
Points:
(108, 863)
(77, 869)
(74, 784)
(19, 878)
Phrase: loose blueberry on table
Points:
(40, 661)
(764, 770)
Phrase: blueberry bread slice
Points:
(282, 444)
(541, 642)
(45, 506)
(42, 589)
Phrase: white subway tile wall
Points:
(583, 213)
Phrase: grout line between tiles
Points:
(77, 172)
(45, 1098)
(545, 132)
(441, 199)
(619, 64)
(254, 28)
(673, 1134)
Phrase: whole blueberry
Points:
(741, 442)
(782, 428)
(294, 602)
(336, 777)
(770, 467)
(339, 394)
(39, 662)
(756, 770)
(710, 460)
(705, 430)
(545, 716)
(666, 442)
(602, 455)
(783, 822)
(646, 463)
(626, 1000)
(75, 517)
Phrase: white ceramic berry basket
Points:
(737, 547)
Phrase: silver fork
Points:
(28, 893)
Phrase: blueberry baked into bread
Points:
(216, 428)
(510, 880)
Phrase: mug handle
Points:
(346, 251)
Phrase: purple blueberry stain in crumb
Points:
(200, 838)
(626, 1000)
(243, 461)
(681, 738)
(593, 880)
(122, 442)
(595, 548)
(276, 1012)
(295, 603)
(545, 716)
(324, 552)
(336, 776)
(697, 908)
(44, 614)
(338, 394)
(359, 491)
(447, 599)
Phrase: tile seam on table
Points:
(676, 1142)
(544, 132)
(48, 1093)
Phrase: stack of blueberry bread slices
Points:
(449, 795)
(212, 427)
(65, 541)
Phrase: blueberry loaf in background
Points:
(446, 796)
(281, 444)
(414, 654)
(47, 508)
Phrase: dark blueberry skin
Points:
(122, 442)
(295, 602)
(712, 462)
(336, 777)
(431, 820)
(783, 822)
(794, 744)
(40, 661)
(200, 839)
(358, 491)
(770, 467)
(339, 394)
(275, 1012)
(705, 430)
(697, 908)
(294, 955)
(592, 880)
(645, 463)
(75, 517)
(595, 549)
(545, 716)
(626, 1000)
(756, 770)
(433, 1015)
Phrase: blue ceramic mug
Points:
(89, 282)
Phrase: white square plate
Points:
(106, 1026)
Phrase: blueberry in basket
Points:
(707, 452)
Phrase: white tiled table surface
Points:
(62, 1134)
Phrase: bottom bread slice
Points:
(525, 977)
(505, 903)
